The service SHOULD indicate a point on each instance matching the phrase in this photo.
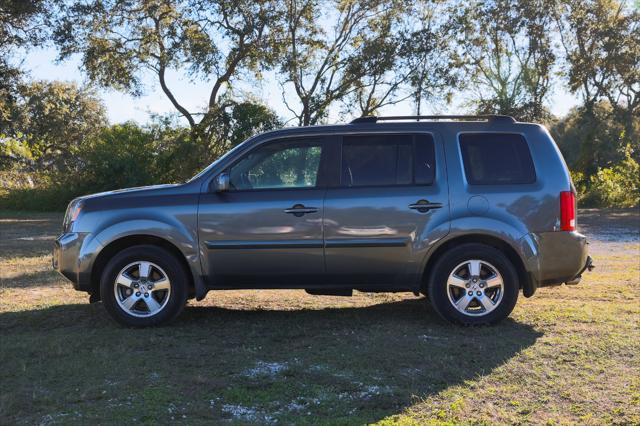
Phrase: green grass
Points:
(568, 355)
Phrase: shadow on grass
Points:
(360, 363)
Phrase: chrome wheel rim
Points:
(142, 289)
(475, 287)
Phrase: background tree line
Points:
(351, 56)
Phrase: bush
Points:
(37, 199)
(121, 156)
(617, 186)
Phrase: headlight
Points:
(72, 213)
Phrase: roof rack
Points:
(489, 117)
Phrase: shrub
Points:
(617, 186)
(580, 182)
(44, 199)
(121, 156)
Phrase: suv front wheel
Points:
(473, 284)
(143, 286)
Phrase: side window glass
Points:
(374, 160)
(383, 160)
(425, 160)
(496, 159)
(278, 165)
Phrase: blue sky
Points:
(41, 65)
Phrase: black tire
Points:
(438, 290)
(175, 271)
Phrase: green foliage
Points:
(49, 124)
(581, 184)
(602, 42)
(120, 156)
(592, 139)
(13, 150)
(119, 42)
(507, 49)
(617, 186)
(43, 198)
(23, 23)
(177, 155)
(349, 61)
(601, 156)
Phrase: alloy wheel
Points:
(142, 289)
(475, 287)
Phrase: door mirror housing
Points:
(221, 182)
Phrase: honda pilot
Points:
(468, 211)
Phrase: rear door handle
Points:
(300, 210)
(424, 206)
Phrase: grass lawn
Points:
(567, 355)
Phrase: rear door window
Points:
(496, 159)
(384, 160)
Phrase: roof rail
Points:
(488, 117)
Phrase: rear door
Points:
(390, 205)
(266, 231)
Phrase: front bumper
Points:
(69, 261)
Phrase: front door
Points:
(391, 204)
(266, 230)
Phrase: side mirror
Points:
(221, 182)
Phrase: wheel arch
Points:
(507, 248)
(125, 242)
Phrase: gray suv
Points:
(468, 211)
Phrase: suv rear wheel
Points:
(473, 284)
(143, 286)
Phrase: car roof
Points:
(400, 126)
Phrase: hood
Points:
(139, 190)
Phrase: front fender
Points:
(174, 233)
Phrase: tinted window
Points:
(496, 159)
(379, 160)
(425, 160)
(278, 165)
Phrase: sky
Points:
(41, 65)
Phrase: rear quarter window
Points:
(496, 159)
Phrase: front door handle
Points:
(424, 206)
(300, 210)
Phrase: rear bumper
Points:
(587, 266)
(553, 258)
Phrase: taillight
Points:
(567, 211)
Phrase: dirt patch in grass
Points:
(567, 355)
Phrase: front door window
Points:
(278, 165)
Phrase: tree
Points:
(179, 155)
(380, 78)
(428, 55)
(214, 40)
(23, 23)
(590, 140)
(325, 65)
(118, 156)
(507, 47)
(601, 39)
(52, 121)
